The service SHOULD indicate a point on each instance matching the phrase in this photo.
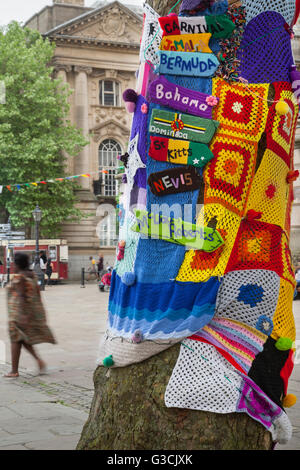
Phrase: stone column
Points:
(61, 71)
(81, 162)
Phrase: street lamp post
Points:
(37, 217)
(8, 259)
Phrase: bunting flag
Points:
(19, 186)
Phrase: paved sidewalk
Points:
(31, 419)
(48, 412)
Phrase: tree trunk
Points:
(128, 413)
(128, 410)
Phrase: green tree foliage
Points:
(35, 132)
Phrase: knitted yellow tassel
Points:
(289, 400)
(282, 108)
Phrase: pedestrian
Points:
(43, 261)
(26, 315)
(100, 266)
(297, 279)
(49, 270)
(92, 269)
(106, 280)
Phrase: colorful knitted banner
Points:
(182, 126)
(187, 63)
(174, 180)
(219, 26)
(177, 231)
(186, 43)
(165, 93)
(180, 152)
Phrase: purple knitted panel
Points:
(208, 7)
(139, 126)
(266, 52)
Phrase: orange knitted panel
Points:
(242, 110)
(229, 175)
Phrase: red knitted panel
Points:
(257, 246)
(281, 130)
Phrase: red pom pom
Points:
(292, 176)
(253, 215)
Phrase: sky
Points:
(22, 10)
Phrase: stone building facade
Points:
(97, 55)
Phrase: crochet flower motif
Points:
(212, 100)
(251, 294)
(265, 325)
(144, 108)
(237, 107)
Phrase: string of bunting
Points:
(20, 186)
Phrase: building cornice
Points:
(87, 17)
(65, 39)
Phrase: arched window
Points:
(109, 93)
(108, 152)
(107, 231)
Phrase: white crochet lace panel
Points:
(246, 295)
(151, 37)
(203, 380)
(285, 7)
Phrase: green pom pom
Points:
(284, 344)
(108, 361)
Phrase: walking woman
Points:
(26, 315)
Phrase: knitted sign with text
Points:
(211, 146)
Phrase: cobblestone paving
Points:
(67, 394)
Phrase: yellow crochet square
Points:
(283, 320)
(242, 110)
(229, 174)
(269, 191)
(199, 266)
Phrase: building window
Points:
(108, 152)
(109, 93)
(107, 231)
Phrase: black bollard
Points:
(82, 278)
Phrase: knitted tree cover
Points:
(211, 146)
